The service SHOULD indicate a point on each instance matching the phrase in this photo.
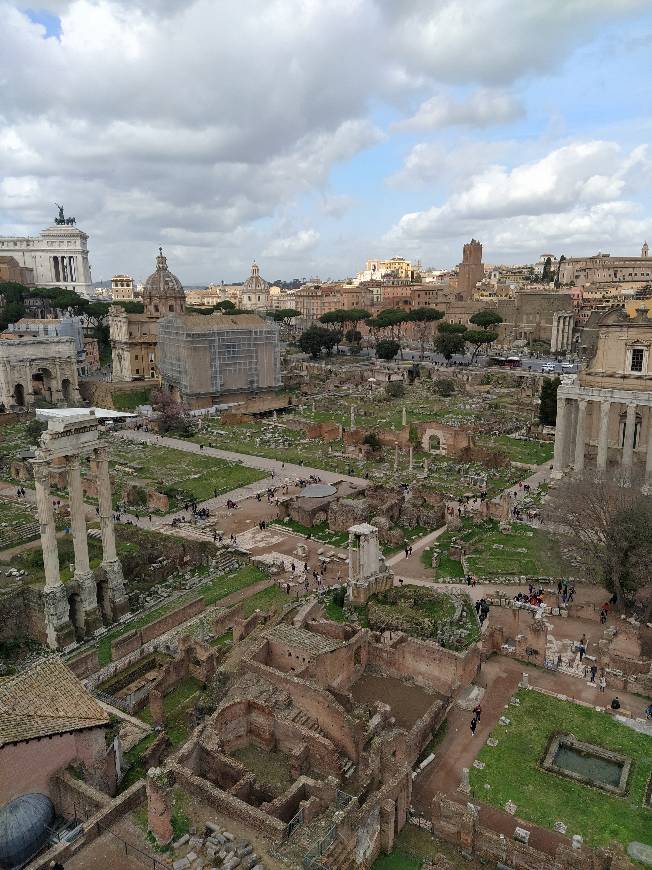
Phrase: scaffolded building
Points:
(204, 357)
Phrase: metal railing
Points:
(294, 822)
(310, 860)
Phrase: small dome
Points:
(317, 490)
(24, 828)
(254, 283)
(162, 282)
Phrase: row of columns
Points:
(60, 632)
(562, 331)
(570, 436)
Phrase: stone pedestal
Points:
(465, 785)
(88, 593)
(116, 604)
(60, 632)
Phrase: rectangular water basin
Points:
(589, 764)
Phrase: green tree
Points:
(444, 387)
(354, 316)
(387, 348)
(451, 328)
(226, 306)
(478, 338)
(131, 306)
(449, 343)
(395, 389)
(35, 428)
(353, 336)
(332, 339)
(285, 316)
(546, 275)
(312, 340)
(548, 402)
(333, 318)
(424, 319)
(485, 318)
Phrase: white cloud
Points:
(581, 194)
(192, 121)
(290, 246)
(483, 108)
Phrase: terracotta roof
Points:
(46, 699)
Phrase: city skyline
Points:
(313, 138)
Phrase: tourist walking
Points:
(477, 712)
(594, 671)
(474, 725)
(602, 683)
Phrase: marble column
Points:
(559, 460)
(115, 603)
(628, 446)
(396, 456)
(47, 523)
(603, 437)
(571, 433)
(404, 417)
(58, 630)
(352, 418)
(83, 574)
(580, 436)
(648, 458)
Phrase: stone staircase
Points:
(300, 718)
(225, 562)
(338, 857)
(19, 535)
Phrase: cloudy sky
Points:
(312, 134)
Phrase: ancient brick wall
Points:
(126, 644)
(85, 664)
(73, 798)
(318, 704)
(427, 663)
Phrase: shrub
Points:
(372, 441)
(395, 389)
(444, 387)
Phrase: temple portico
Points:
(602, 428)
(77, 609)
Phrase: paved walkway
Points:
(417, 546)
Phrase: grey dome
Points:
(317, 490)
(162, 282)
(24, 828)
(254, 282)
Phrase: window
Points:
(636, 364)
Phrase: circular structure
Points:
(317, 490)
(24, 828)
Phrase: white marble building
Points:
(58, 256)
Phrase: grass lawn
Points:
(132, 759)
(320, 532)
(129, 400)
(14, 437)
(180, 475)
(213, 591)
(513, 772)
(541, 556)
(528, 451)
(271, 598)
(413, 846)
(175, 708)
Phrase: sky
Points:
(310, 135)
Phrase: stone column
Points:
(352, 558)
(83, 574)
(603, 437)
(396, 456)
(47, 523)
(648, 458)
(411, 456)
(116, 603)
(464, 785)
(404, 417)
(579, 437)
(352, 418)
(571, 432)
(59, 631)
(628, 446)
(559, 461)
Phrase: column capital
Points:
(73, 462)
(41, 469)
(101, 453)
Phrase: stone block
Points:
(522, 835)
(181, 864)
(181, 841)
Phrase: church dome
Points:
(254, 283)
(162, 282)
(24, 828)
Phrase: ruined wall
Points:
(85, 664)
(318, 704)
(427, 663)
(341, 667)
(126, 644)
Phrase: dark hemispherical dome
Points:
(24, 828)
(162, 282)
